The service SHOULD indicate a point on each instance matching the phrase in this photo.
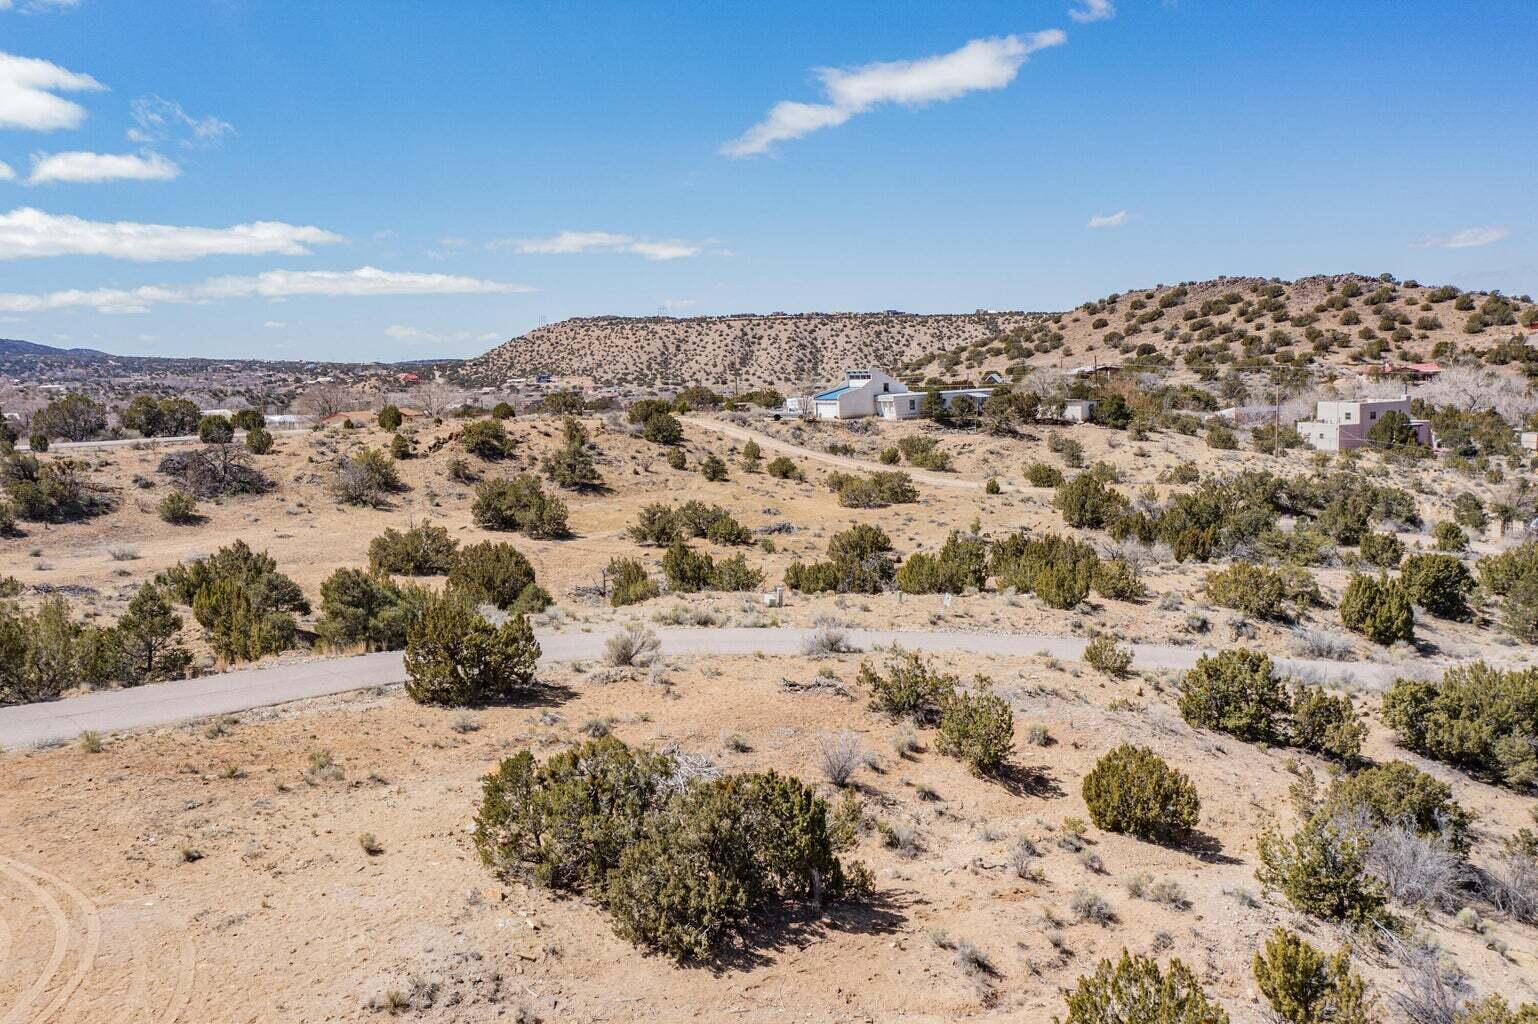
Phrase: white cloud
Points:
(979, 65)
(1468, 238)
(275, 325)
(1092, 10)
(6, 173)
(81, 167)
(27, 100)
(601, 241)
(40, 6)
(162, 120)
(274, 284)
(27, 232)
(1110, 220)
(414, 335)
(672, 304)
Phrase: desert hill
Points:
(1245, 322)
(16, 347)
(1251, 323)
(779, 349)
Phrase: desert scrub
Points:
(1103, 654)
(910, 688)
(419, 550)
(179, 508)
(1261, 593)
(1303, 986)
(1132, 790)
(978, 728)
(456, 658)
(1477, 717)
(1134, 990)
(1378, 608)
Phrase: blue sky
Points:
(390, 179)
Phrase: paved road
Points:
(231, 692)
(774, 444)
(148, 442)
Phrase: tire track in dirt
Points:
(61, 932)
(186, 981)
(86, 909)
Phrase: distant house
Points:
(1412, 372)
(1340, 426)
(993, 377)
(1530, 440)
(877, 393)
(408, 378)
(1079, 410)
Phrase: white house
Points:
(1338, 426)
(877, 393)
(1530, 440)
(1079, 410)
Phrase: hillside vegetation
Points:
(801, 349)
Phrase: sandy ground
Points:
(203, 873)
(284, 917)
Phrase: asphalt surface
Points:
(107, 711)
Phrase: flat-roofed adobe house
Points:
(856, 396)
(1341, 426)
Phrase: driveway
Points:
(158, 704)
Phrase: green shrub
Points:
(1221, 436)
(961, 563)
(148, 634)
(45, 652)
(38, 442)
(991, 487)
(179, 508)
(1303, 986)
(687, 570)
(367, 609)
(1322, 870)
(402, 447)
(752, 455)
(1398, 793)
(390, 417)
(1495, 1010)
(1478, 717)
(725, 530)
(1132, 790)
(243, 603)
(1086, 502)
(1377, 608)
(859, 562)
(677, 459)
(1103, 654)
(365, 477)
(1262, 593)
(1041, 474)
(712, 468)
(909, 688)
(1469, 512)
(168, 417)
(456, 658)
(1449, 536)
(259, 440)
(782, 468)
(49, 492)
(978, 728)
(683, 869)
(662, 428)
(1236, 691)
(1118, 580)
(487, 439)
(1056, 569)
(1438, 583)
(1383, 550)
(72, 418)
(497, 574)
(424, 550)
(1135, 991)
(236, 626)
(215, 430)
(1326, 724)
(873, 491)
(628, 582)
(571, 465)
(733, 575)
(657, 524)
(519, 504)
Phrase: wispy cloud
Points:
(161, 120)
(26, 232)
(1092, 10)
(415, 335)
(27, 100)
(275, 325)
(672, 304)
(1110, 220)
(6, 173)
(567, 242)
(80, 167)
(981, 64)
(1468, 238)
(39, 6)
(274, 284)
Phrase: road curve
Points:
(232, 692)
(774, 444)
